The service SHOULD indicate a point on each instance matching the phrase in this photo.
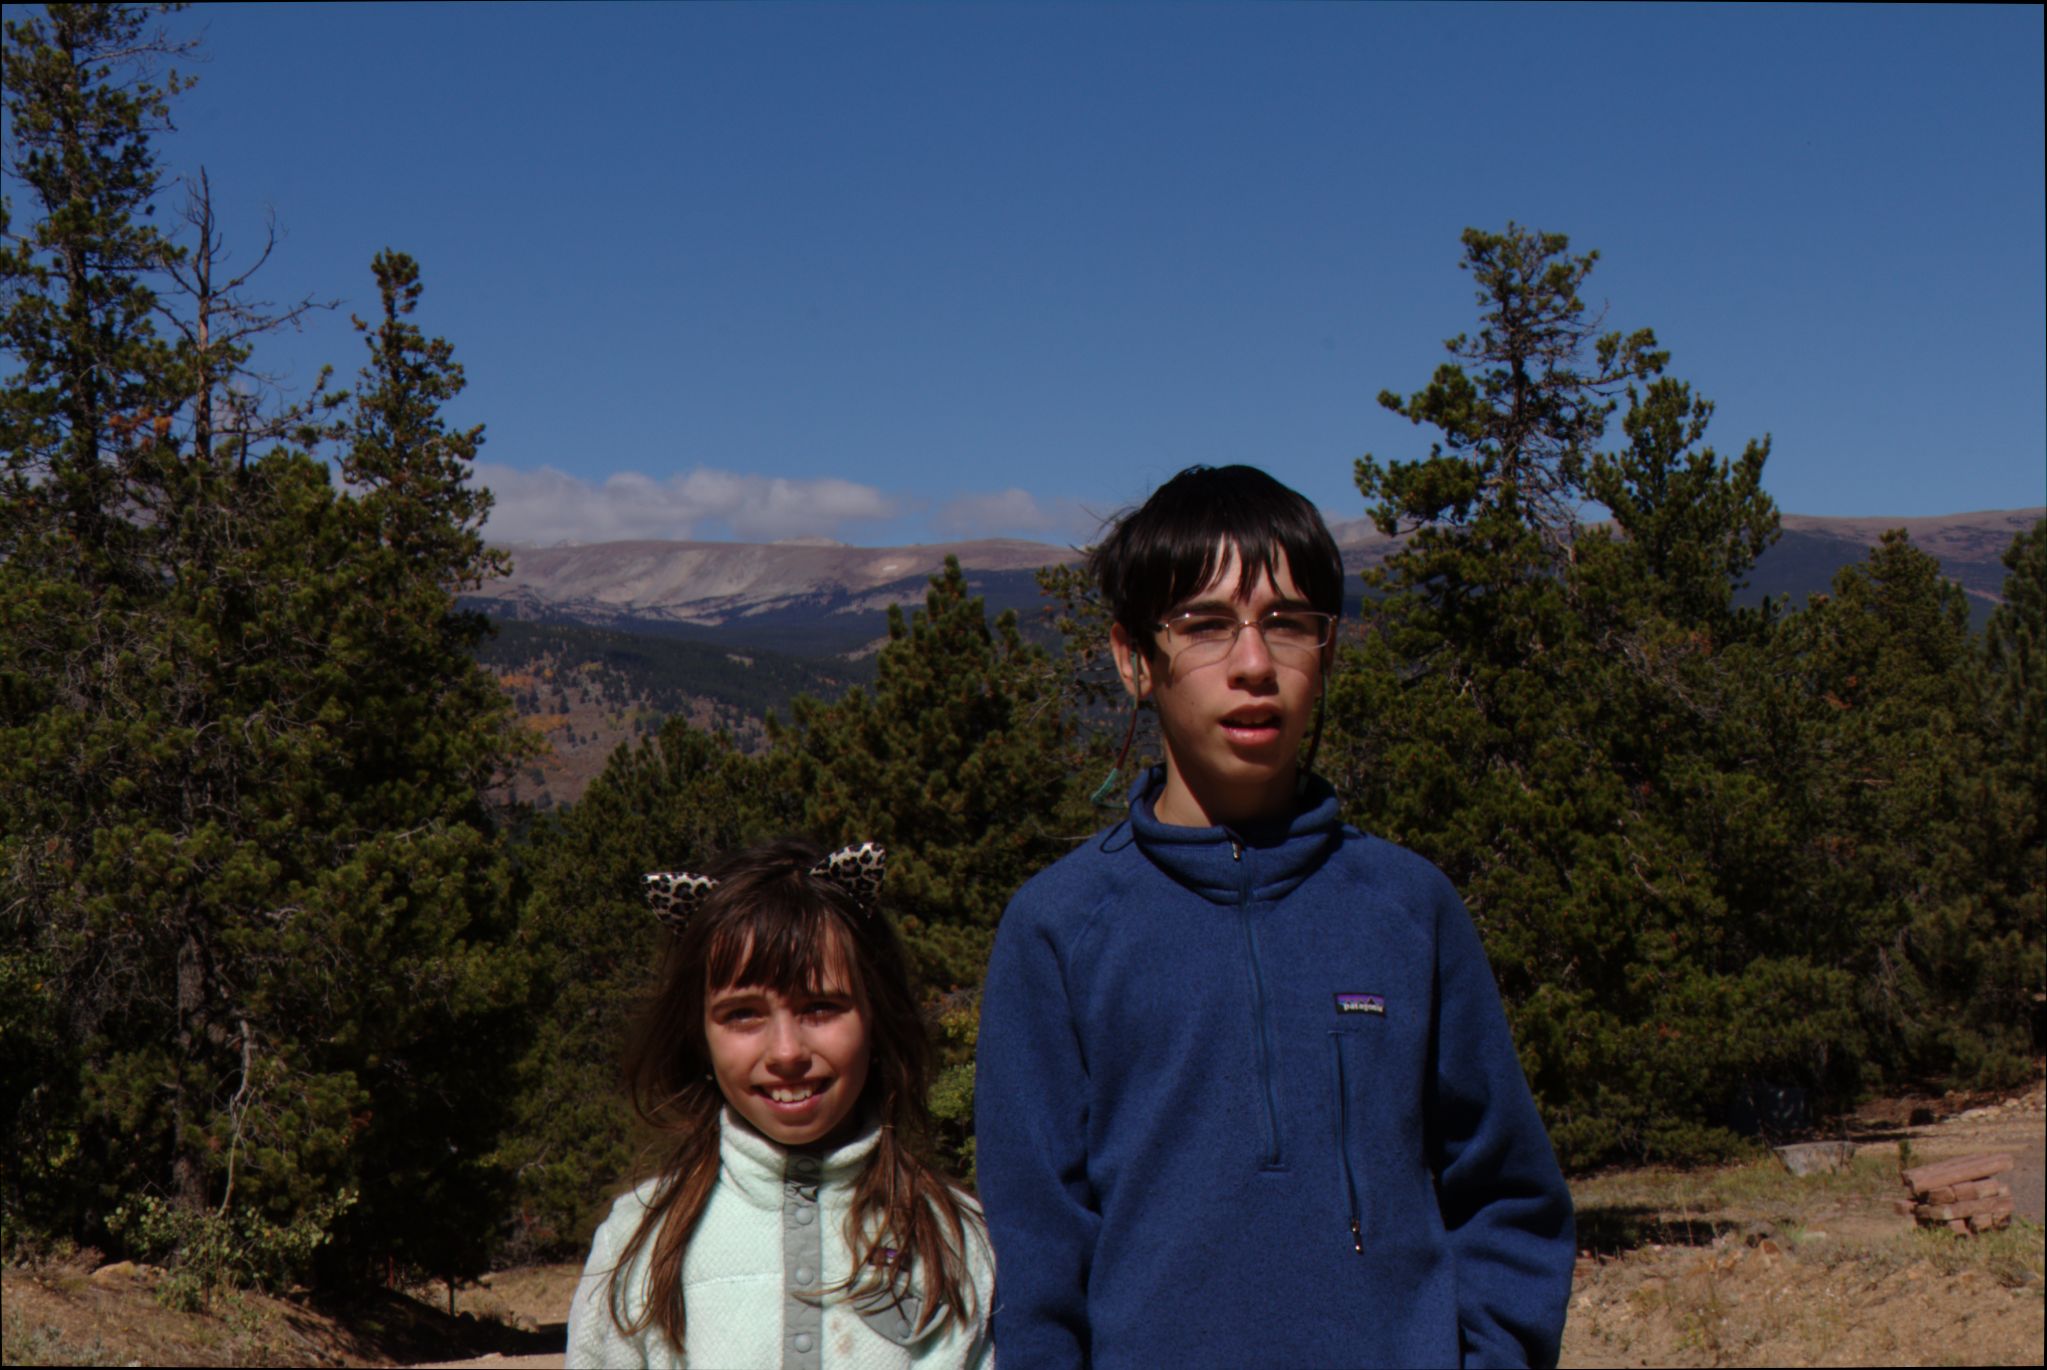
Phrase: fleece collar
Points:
(758, 1167)
(1276, 855)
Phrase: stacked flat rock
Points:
(1968, 1194)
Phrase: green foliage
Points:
(253, 898)
(675, 801)
(664, 673)
(1923, 851)
(2015, 695)
(943, 762)
(2015, 647)
(1503, 483)
(1085, 675)
(81, 99)
(1694, 523)
(1704, 846)
(1545, 711)
(207, 1250)
(952, 1093)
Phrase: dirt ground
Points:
(1749, 1265)
(1739, 1265)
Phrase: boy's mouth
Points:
(1251, 725)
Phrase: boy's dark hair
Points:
(1170, 546)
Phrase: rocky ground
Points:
(1749, 1265)
(1738, 1265)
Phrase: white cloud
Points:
(543, 507)
(1012, 513)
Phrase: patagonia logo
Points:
(1361, 1003)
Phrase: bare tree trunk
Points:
(188, 1174)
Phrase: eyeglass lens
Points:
(1204, 637)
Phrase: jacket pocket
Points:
(1344, 1066)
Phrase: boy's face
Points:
(1233, 725)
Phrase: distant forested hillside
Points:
(585, 691)
(668, 674)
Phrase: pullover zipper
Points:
(1262, 1034)
(1350, 1182)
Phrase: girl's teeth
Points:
(790, 1096)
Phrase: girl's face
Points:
(792, 1065)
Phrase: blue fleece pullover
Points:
(1247, 1098)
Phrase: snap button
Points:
(803, 1273)
(806, 1165)
(804, 1215)
(802, 1342)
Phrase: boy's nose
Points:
(1249, 658)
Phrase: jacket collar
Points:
(758, 1167)
(1274, 855)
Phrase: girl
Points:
(791, 1224)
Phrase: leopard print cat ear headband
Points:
(675, 895)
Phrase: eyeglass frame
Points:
(1165, 625)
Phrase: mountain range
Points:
(598, 645)
(816, 599)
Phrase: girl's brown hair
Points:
(770, 923)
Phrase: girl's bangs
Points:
(787, 944)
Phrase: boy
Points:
(1245, 1092)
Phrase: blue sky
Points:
(892, 273)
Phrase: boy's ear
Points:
(1130, 663)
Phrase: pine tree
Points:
(2015, 656)
(84, 409)
(676, 801)
(1494, 506)
(2015, 859)
(1689, 524)
(95, 382)
(1910, 827)
(1544, 710)
(406, 863)
(252, 892)
(944, 763)
(960, 763)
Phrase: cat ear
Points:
(675, 895)
(857, 871)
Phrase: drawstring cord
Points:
(1104, 795)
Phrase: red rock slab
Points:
(1957, 1171)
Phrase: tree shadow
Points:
(1615, 1229)
(388, 1326)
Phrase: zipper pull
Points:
(1236, 850)
(1357, 1242)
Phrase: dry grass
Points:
(1750, 1265)
(56, 1315)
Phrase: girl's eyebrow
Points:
(731, 993)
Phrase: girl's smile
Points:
(792, 1065)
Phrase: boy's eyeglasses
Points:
(1198, 639)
